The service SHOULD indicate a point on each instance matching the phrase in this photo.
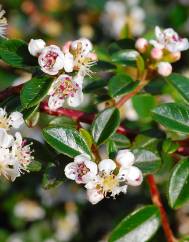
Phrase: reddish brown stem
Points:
(155, 195)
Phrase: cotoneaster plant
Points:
(104, 154)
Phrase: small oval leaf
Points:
(139, 226)
(66, 140)
(173, 115)
(179, 184)
(105, 125)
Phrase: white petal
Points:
(2, 112)
(81, 158)
(134, 176)
(123, 172)
(59, 63)
(94, 196)
(92, 166)
(6, 140)
(125, 158)
(70, 171)
(16, 119)
(68, 62)
(36, 46)
(78, 79)
(76, 100)
(107, 166)
(18, 137)
(55, 102)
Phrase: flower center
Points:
(82, 170)
(109, 183)
(67, 88)
(4, 123)
(50, 59)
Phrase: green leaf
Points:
(34, 166)
(111, 149)
(125, 57)
(34, 91)
(121, 84)
(147, 161)
(87, 136)
(179, 184)
(120, 140)
(15, 53)
(95, 85)
(139, 226)
(143, 104)
(173, 115)
(121, 44)
(66, 140)
(105, 125)
(181, 84)
(169, 146)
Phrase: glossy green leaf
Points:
(139, 226)
(34, 91)
(120, 140)
(143, 104)
(147, 161)
(87, 136)
(66, 140)
(15, 53)
(179, 184)
(181, 84)
(121, 84)
(111, 149)
(105, 125)
(34, 166)
(125, 57)
(173, 115)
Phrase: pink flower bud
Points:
(164, 68)
(176, 56)
(156, 53)
(141, 45)
(66, 46)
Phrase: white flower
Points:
(64, 88)
(9, 167)
(51, 60)
(6, 140)
(132, 175)
(169, 40)
(29, 210)
(105, 183)
(36, 46)
(164, 68)
(14, 120)
(84, 58)
(82, 170)
(125, 158)
(22, 152)
(3, 23)
(82, 45)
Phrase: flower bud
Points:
(125, 158)
(164, 68)
(156, 53)
(134, 176)
(141, 45)
(175, 56)
(36, 46)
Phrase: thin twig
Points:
(155, 196)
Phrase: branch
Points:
(155, 196)
(125, 98)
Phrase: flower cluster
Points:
(107, 178)
(3, 23)
(164, 49)
(119, 14)
(15, 153)
(75, 56)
